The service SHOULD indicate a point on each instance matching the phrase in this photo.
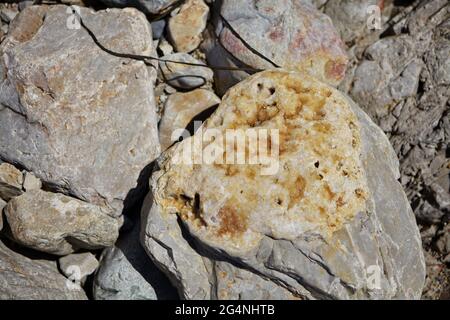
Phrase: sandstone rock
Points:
(147, 6)
(329, 218)
(180, 109)
(403, 82)
(23, 278)
(267, 34)
(186, 27)
(58, 224)
(78, 265)
(127, 273)
(72, 113)
(11, 181)
(30, 182)
(183, 76)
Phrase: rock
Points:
(165, 47)
(78, 265)
(267, 34)
(8, 14)
(30, 182)
(10, 181)
(402, 82)
(183, 76)
(147, 6)
(127, 273)
(69, 122)
(2, 205)
(58, 224)
(180, 109)
(185, 28)
(158, 28)
(23, 278)
(328, 220)
(443, 240)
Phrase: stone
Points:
(30, 182)
(23, 278)
(69, 122)
(10, 181)
(158, 28)
(182, 76)
(78, 265)
(8, 14)
(2, 205)
(127, 273)
(443, 240)
(58, 224)
(402, 82)
(154, 7)
(185, 28)
(327, 218)
(269, 34)
(180, 109)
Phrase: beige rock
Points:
(186, 26)
(78, 266)
(30, 182)
(58, 224)
(180, 109)
(11, 181)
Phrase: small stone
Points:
(186, 27)
(78, 265)
(11, 181)
(165, 47)
(7, 15)
(182, 76)
(58, 224)
(158, 28)
(180, 109)
(30, 182)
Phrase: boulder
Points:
(323, 216)
(23, 278)
(268, 34)
(180, 109)
(127, 273)
(185, 27)
(58, 224)
(72, 113)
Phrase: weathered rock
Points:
(72, 113)
(185, 28)
(180, 109)
(328, 218)
(267, 34)
(147, 6)
(2, 205)
(58, 224)
(403, 83)
(30, 182)
(78, 266)
(127, 273)
(23, 278)
(184, 76)
(11, 181)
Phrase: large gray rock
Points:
(23, 278)
(403, 83)
(148, 6)
(127, 273)
(72, 113)
(269, 33)
(58, 224)
(330, 222)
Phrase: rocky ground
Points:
(91, 110)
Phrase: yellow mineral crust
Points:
(320, 183)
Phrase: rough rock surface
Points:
(127, 273)
(2, 205)
(184, 76)
(331, 215)
(66, 106)
(266, 34)
(78, 265)
(11, 181)
(58, 224)
(185, 27)
(180, 109)
(147, 6)
(30, 279)
(403, 83)
(30, 182)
